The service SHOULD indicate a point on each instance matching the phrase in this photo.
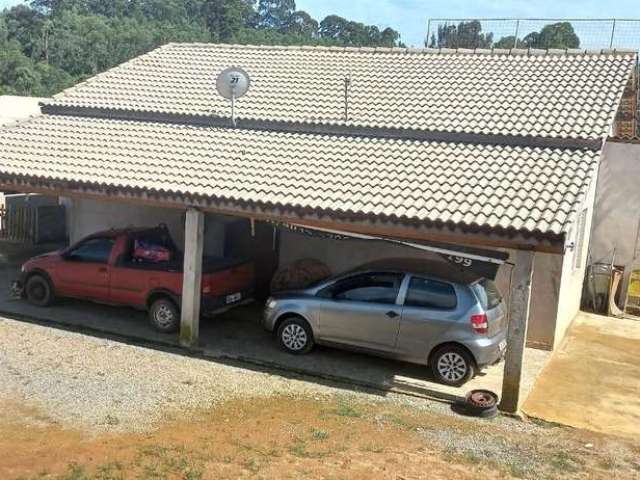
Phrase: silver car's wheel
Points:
(452, 365)
(295, 336)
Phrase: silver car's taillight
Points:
(480, 323)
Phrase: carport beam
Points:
(520, 300)
(192, 277)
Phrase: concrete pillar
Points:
(192, 277)
(520, 299)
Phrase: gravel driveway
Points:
(101, 384)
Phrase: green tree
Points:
(275, 14)
(47, 45)
(333, 27)
(226, 18)
(344, 32)
(80, 43)
(110, 8)
(509, 42)
(17, 72)
(26, 26)
(53, 7)
(555, 35)
(51, 80)
(464, 35)
(389, 37)
(302, 24)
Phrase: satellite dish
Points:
(233, 83)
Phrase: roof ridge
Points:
(337, 129)
(414, 50)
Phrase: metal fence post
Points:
(613, 33)
(515, 40)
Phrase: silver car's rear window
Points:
(488, 294)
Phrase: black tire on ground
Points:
(38, 291)
(164, 315)
(452, 365)
(295, 336)
(481, 403)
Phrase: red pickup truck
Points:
(141, 268)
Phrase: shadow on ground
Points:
(237, 337)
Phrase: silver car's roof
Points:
(435, 269)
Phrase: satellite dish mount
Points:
(233, 83)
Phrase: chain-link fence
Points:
(533, 33)
(548, 34)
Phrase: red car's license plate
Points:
(234, 297)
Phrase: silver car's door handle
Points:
(392, 314)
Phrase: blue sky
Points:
(409, 17)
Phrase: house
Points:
(14, 108)
(492, 149)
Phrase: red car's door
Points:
(84, 270)
(128, 285)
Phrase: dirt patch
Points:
(301, 437)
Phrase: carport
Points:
(463, 158)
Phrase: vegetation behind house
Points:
(49, 45)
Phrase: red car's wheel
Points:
(164, 315)
(38, 291)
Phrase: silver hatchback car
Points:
(423, 312)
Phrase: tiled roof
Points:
(504, 140)
(571, 94)
(504, 187)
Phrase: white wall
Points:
(86, 216)
(545, 296)
(573, 271)
(90, 216)
(616, 222)
(342, 255)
